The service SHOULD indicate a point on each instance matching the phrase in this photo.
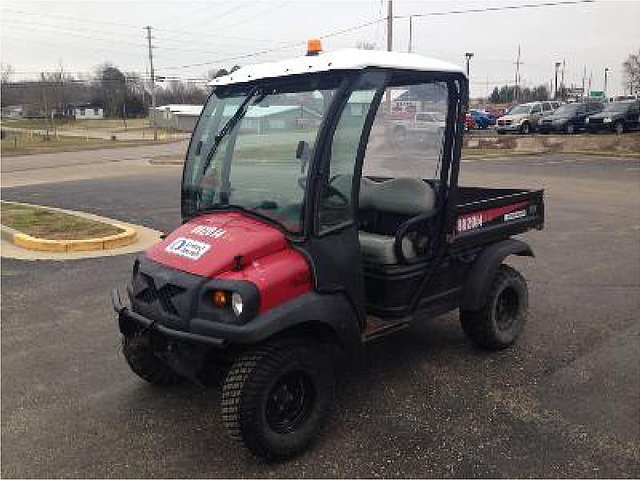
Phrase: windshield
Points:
(569, 109)
(520, 110)
(616, 107)
(258, 161)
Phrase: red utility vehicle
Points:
(308, 230)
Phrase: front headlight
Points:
(236, 303)
(607, 120)
(586, 120)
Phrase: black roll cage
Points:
(317, 173)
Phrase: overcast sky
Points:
(37, 36)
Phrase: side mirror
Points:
(303, 153)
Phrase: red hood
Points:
(207, 245)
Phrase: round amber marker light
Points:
(220, 298)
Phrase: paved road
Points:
(563, 402)
(90, 157)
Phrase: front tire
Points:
(500, 321)
(275, 398)
(569, 129)
(619, 128)
(139, 355)
(525, 129)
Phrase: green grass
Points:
(52, 225)
(104, 123)
(25, 144)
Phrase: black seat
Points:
(393, 205)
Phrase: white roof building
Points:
(181, 109)
(348, 59)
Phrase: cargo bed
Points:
(486, 215)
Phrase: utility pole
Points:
(606, 70)
(390, 25)
(517, 79)
(590, 80)
(389, 49)
(153, 86)
(410, 33)
(562, 89)
(584, 77)
(555, 92)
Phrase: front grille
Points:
(164, 295)
(593, 121)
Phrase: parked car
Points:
(524, 118)
(421, 126)
(618, 117)
(569, 118)
(482, 119)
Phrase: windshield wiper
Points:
(240, 112)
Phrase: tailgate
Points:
(497, 218)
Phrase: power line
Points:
(496, 9)
(74, 33)
(284, 46)
(70, 17)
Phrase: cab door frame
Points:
(335, 253)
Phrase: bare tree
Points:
(631, 68)
(6, 72)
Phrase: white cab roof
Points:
(348, 59)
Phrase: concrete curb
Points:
(126, 237)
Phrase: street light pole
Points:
(469, 55)
(410, 33)
(606, 70)
(555, 94)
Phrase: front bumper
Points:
(130, 321)
(508, 128)
(600, 127)
(551, 127)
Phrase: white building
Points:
(87, 112)
(181, 117)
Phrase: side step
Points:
(378, 327)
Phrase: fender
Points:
(331, 311)
(484, 269)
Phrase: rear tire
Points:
(500, 321)
(619, 128)
(141, 359)
(275, 398)
(569, 129)
(525, 129)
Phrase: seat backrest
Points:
(403, 196)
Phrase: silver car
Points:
(524, 118)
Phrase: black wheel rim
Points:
(290, 402)
(507, 307)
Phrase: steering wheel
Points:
(330, 190)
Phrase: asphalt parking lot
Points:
(563, 402)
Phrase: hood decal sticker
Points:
(188, 248)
